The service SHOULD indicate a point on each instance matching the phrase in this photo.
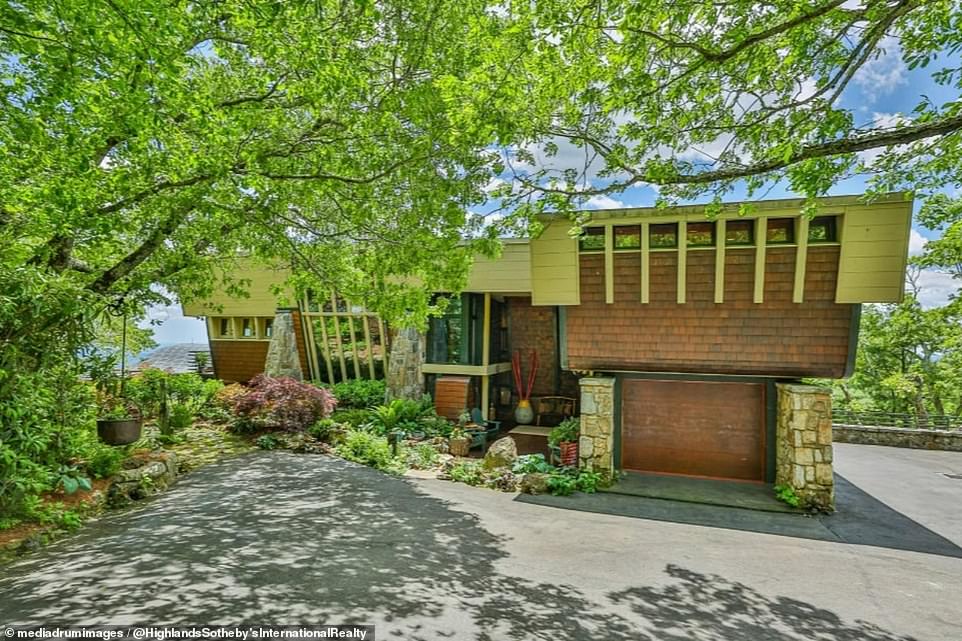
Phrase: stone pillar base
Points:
(595, 447)
(803, 445)
(404, 376)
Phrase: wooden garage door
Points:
(694, 427)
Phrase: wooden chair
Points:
(554, 407)
(491, 428)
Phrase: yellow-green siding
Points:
(510, 273)
(261, 302)
(554, 266)
(875, 242)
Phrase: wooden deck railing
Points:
(892, 419)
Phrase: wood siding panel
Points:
(554, 266)
(237, 361)
(261, 302)
(698, 428)
(875, 241)
(509, 273)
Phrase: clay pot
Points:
(523, 414)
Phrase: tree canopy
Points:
(144, 142)
(696, 96)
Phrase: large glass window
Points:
(700, 234)
(664, 236)
(823, 229)
(456, 337)
(593, 239)
(739, 232)
(627, 237)
(780, 231)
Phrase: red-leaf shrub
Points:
(280, 403)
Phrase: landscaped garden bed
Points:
(189, 423)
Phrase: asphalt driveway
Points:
(282, 538)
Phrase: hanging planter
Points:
(524, 413)
(119, 421)
(119, 431)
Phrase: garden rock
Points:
(502, 453)
(533, 483)
(143, 477)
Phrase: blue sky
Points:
(880, 91)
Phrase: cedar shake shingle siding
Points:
(738, 336)
(238, 360)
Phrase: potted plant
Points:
(523, 413)
(118, 421)
(565, 438)
(459, 443)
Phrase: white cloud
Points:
(882, 120)
(935, 288)
(603, 201)
(882, 74)
(174, 326)
(916, 242)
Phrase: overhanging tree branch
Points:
(134, 259)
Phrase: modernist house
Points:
(681, 338)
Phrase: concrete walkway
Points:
(281, 538)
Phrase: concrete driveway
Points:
(282, 538)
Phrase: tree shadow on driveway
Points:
(294, 539)
(860, 518)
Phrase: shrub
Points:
(353, 417)
(359, 393)
(401, 415)
(321, 430)
(105, 462)
(786, 494)
(569, 480)
(528, 463)
(267, 442)
(468, 472)
(369, 449)
(281, 403)
(226, 397)
(422, 456)
(435, 426)
(566, 431)
(181, 416)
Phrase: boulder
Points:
(502, 453)
(533, 483)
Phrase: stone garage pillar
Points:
(404, 376)
(803, 444)
(282, 357)
(597, 424)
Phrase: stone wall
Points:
(899, 437)
(803, 444)
(404, 376)
(143, 476)
(595, 447)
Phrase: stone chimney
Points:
(282, 356)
